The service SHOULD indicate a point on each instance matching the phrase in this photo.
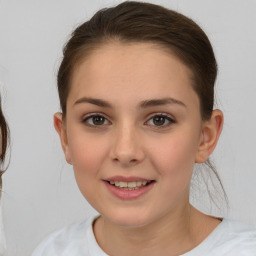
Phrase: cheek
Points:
(175, 158)
(175, 166)
(87, 154)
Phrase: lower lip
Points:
(129, 194)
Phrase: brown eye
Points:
(96, 120)
(160, 121)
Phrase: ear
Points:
(61, 130)
(211, 131)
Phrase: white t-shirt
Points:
(230, 238)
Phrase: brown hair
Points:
(144, 22)
(4, 135)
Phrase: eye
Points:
(95, 120)
(160, 120)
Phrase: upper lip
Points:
(127, 179)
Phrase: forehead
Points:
(135, 69)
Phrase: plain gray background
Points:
(40, 193)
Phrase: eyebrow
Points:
(160, 102)
(143, 104)
(97, 102)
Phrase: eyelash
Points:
(90, 117)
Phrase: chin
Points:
(129, 219)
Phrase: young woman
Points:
(136, 88)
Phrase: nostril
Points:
(126, 155)
(115, 160)
(130, 161)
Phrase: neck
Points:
(173, 234)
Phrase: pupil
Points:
(98, 120)
(159, 120)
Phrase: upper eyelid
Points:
(160, 114)
(95, 114)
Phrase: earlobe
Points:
(61, 130)
(211, 131)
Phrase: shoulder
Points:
(241, 233)
(233, 238)
(75, 238)
(230, 238)
(234, 229)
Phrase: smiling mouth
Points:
(133, 185)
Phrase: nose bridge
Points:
(126, 145)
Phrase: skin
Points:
(129, 78)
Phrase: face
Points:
(132, 132)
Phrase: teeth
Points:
(128, 185)
(138, 183)
(122, 184)
(131, 184)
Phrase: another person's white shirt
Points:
(230, 238)
(2, 236)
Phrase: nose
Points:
(127, 148)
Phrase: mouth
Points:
(128, 188)
(131, 185)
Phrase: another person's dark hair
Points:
(4, 138)
(132, 22)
